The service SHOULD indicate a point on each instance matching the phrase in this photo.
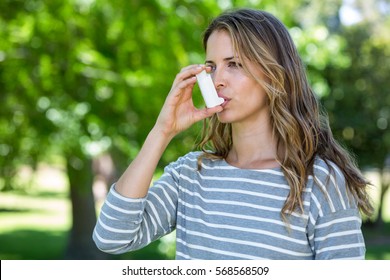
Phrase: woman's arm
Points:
(177, 114)
(334, 229)
(129, 218)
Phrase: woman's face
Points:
(245, 98)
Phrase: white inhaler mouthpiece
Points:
(208, 91)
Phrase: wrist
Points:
(161, 134)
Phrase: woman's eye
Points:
(213, 67)
(233, 64)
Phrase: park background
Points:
(82, 82)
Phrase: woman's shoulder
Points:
(189, 160)
(325, 169)
(195, 161)
(329, 187)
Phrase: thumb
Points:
(208, 112)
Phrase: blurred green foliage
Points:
(79, 78)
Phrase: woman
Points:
(270, 182)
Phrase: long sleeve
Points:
(335, 223)
(127, 224)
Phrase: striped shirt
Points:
(224, 212)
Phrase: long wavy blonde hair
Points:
(301, 129)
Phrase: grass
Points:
(34, 225)
(377, 241)
(27, 244)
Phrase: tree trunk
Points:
(379, 223)
(80, 244)
(385, 186)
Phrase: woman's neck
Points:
(254, 147)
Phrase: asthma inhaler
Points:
(208, 91)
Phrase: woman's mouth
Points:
(225, 102)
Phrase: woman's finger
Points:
(201, 114)
(188, 72)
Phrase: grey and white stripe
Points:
(223, 212)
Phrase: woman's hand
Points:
(179, 112)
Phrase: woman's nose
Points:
(218, 78)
